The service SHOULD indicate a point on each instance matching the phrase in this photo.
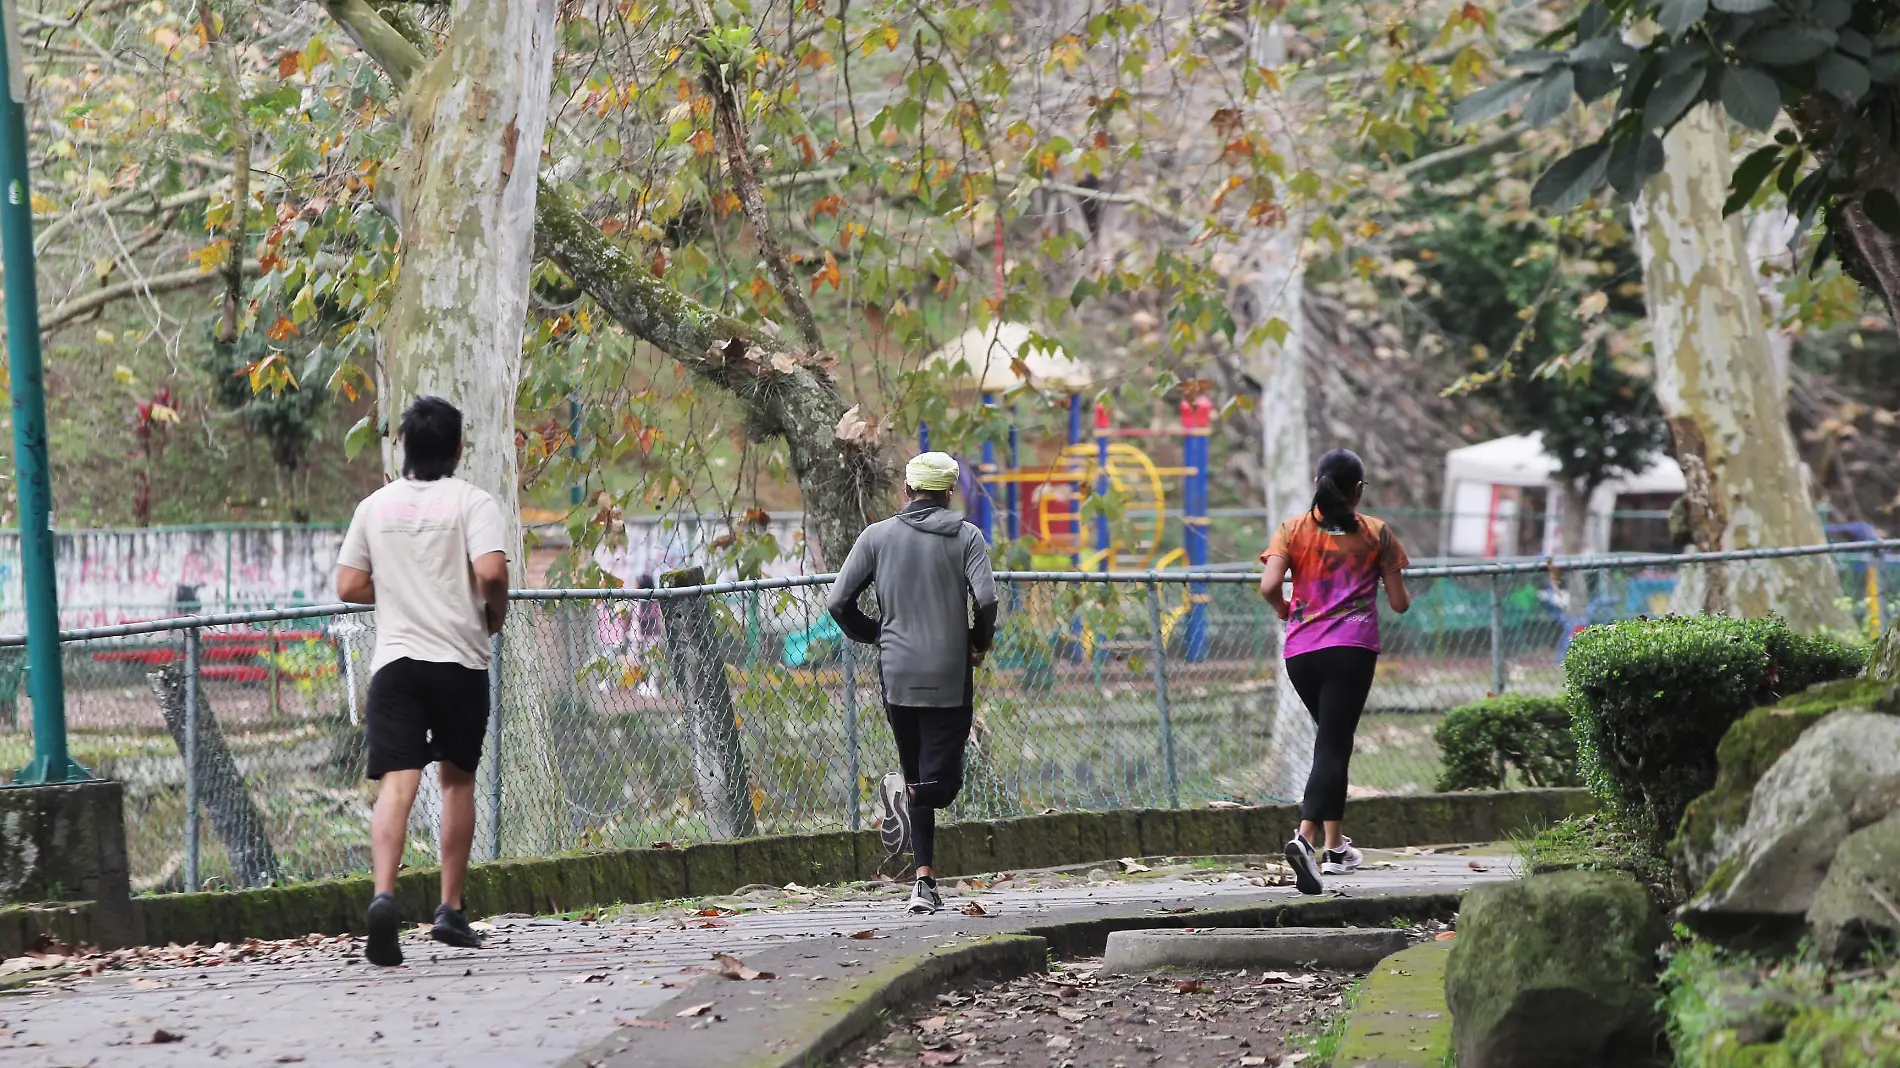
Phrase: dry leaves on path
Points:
(695, 1010)
(733, 968)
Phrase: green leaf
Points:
(1883, 209)
(1790, 44)
(1885, 68)
(1833, 13)
(359, 436)
(1634, 162)
(1276, 328)
(1493, 100)
(1751, 97)
(1748, 177)
(1743, 7)
(1551, 98)
(1844, 77)
(1671, 97)
(1572, 178)
(1677, 16)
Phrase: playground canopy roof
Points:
(988, 352)
(1520, 460)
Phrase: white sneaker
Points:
(1299, 857)
(1342, 860)
(924, 899)
(893, 813)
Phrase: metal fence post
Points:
(1161, 695)
(853, 803)
(494, 746)
(1497, 635)
(192, 882)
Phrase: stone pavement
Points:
(555, 991)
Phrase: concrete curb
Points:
(1401, 1020)
(562, 884)
(1344, 948)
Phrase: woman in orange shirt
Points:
(1338, 559)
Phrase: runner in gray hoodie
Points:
(930, 567)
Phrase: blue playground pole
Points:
(1014, 494)
(983, 508)
(1196, 423)
(1101, 483)
(923, 437)
(1075, 438)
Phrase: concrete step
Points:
(1344, 948)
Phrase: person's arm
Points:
(491, 581)
(1392, 562)
(1273, 585)
(354, 585)
(353, 582)
(982, 582)
(860, 567)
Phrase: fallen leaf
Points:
(974, 908)
(941, 1056)
(1292, 1058)
(1071, 1015)
(590, 977)
(733, 968)
(1475, 866)
(290, 1058)
(715, 910)
(863, 935)
(1132, 866)
(1252, 1062)
(162, 1037)
(1189, 986)
(695, 1010)
(637, 1021)
(1445, 936)
(1059, 1042)
(935, 1023)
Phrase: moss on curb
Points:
(1401, 1020)
(563, 884)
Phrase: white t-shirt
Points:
(418, 541)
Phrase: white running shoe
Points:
(1299, 856)
(893, 813)
(1342, 860)
(924, 899)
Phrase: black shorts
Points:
(421, 711)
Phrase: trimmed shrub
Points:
(1480, 743)
(1651, 698)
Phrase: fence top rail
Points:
(1633, 561)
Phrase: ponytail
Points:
(1340, 473)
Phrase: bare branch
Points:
(78, 308)
(1457, 152)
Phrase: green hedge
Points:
(1651, 698)
(1480, 743)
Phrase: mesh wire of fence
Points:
(627, 719)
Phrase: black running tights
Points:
(1333, 683)
(930, 744)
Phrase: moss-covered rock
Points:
(1748, 749)
(1840, 774)
(1854, 907)
(1553, 971)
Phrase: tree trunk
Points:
(1717, 385)
(697, 656)
(835, 456)
(1274, 288)
(1574, 529)
(235, 818)
(464, 191)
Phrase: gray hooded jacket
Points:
(929, 566)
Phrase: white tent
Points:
(988, 355)
(1485, 496)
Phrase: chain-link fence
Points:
(630, 717)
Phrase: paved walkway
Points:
(549, 992)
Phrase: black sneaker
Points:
(383, 947)
(451, 928)
(1299, 857)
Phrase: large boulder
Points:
(1859, 901)
(1554, 971)
(1841, 774)
(1712, 826)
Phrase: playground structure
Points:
(1101, 503)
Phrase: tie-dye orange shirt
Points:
(1335, 581)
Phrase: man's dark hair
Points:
(431, 432)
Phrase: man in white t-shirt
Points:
(429, 552)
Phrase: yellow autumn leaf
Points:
(105, 337)
(43, 205)
(212, 256)
(1592, 306)
(123, 375)
(163, 414)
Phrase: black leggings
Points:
(930, 744)
(1333, 683)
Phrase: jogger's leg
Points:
(1342, 697)
(943, 736)
(458, 830)
(389, 825)
(923, 839)
(1308, 675)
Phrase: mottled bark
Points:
(696, 654)
(1716, 383)
(835, 456)
(235, 817)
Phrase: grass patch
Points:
(1323, 1048)
(1599, 842)
(1727, 1008)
